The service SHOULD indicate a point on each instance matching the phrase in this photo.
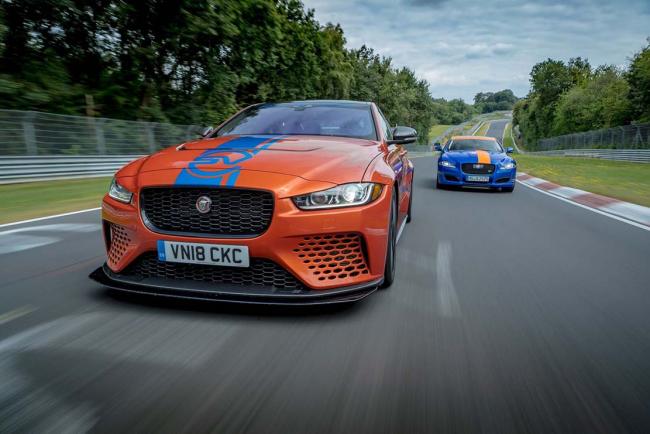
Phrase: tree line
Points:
(194, 61)
(570, 97)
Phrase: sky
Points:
(462, 47)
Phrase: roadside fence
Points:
(29, 133)
(624, 137)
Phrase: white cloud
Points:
(465, 46)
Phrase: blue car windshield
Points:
(344, 119)
(475, 145)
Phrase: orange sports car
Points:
(284, 203)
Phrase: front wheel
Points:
(509, 189)
(389, 268)
(409, 216)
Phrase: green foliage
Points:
(451, 112)
(638, 77)
(601, 101)
(487, 102)
(572, 97)
(193, 61)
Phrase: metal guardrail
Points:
(24, 169)
(632, 155)
(624, 137)
(37, 133)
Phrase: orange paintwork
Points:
(472, 138)
(290, 166)
(483, 157)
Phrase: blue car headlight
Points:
(508, 166)
(445, 163)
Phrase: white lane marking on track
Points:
(16, 313)
(48, 217)
(15, 240)
(39, 335)
(595, 210)
(448, 304)
(67, 227)
(568, 192)
(18, 243)
(150, 338)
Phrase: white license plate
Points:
(478, 178)
(198, 253)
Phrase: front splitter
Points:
(192, 290)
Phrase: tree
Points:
(189, 61)
(599, 102)
(488, 102)
(638, 77)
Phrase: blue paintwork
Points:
(460, 157)
(161, 250)
(224, 160)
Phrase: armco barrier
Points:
(23, 169)
(632, 155)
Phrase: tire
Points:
(440, 186)
(509, 189)
(410, 213)
(389, 268)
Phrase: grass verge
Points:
(507, 137)
(39, 199)
(437, 130)
(483, 129)
(625, 181)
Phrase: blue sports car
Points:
(476, 161)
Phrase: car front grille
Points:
(233, 212)
(478, 168)
(260, 273)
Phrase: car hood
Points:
(473, 156)
(327, 159)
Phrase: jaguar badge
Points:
(203, 204)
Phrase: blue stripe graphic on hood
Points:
(228, 154)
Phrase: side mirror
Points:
(438, 147)
(403, 135)
(207, 131)
(509, 150)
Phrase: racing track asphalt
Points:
(511, 313)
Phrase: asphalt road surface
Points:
(496, 128)
(510, 313)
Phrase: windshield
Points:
(475, 145)
(344, 119)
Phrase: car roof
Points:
(329, 102)
(472, 138)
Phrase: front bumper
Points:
(231, 293)
(304, 244)
(456, 177)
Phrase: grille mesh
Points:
(261, 272)
(234, 212)
(485, 169)
(119, 243)
(333, 256)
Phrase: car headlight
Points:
(117, 192)
(507, 166)
(445, 163)
(359, 193)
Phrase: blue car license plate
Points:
(478, 178)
